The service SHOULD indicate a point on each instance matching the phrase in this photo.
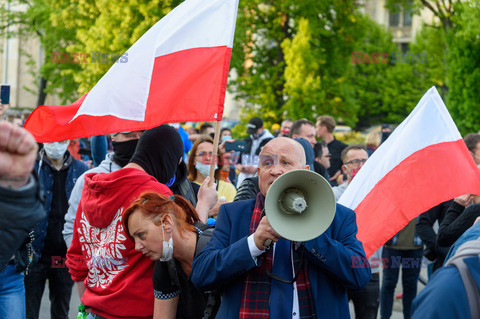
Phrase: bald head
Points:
(280, 155)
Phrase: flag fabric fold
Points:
(176, 72)
(422, 164)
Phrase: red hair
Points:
(155, 206)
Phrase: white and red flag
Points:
(423, 163)
(176, 72)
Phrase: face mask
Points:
(354, 172)
(226, 138)
(123, 151)
(204, 169)
(167, 252)
(55, 150)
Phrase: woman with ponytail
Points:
(157, 224)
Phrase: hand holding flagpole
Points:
(215, 153)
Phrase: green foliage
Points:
(39, 20)
(302, 76)
(370, 61)
(111, 29)
(463, 97)
(279, 42)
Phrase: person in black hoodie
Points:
(165, 161)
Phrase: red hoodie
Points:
(118, 279)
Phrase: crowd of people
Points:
(135, 223)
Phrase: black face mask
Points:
(123, 151)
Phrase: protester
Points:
(322, 159)
(225, 134)
(164, 229)
(426, 232)
(58, 171)
(353, 158)
(187, 144)
(372, 141)
(161, 152)
(113, 279)
(124, 145)
(99, 148)
(249, 187)
(386, 131)
(404, 250)
(464, 209)
(472, 233)
(21, 209)
(248, 160)
(304, 129)
(285, 128)
(228, 159)
(367, 299)
(452, 292)
(460, 216)
(3, 110)
(325, 126)
(230, 259)
(199, 164)
(275, 129)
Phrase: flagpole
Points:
(215, 153)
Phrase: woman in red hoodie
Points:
(157, 223)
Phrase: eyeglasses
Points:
(356, 162)
(202, 154)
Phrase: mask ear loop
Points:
(163, 231)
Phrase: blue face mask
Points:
(204, 169)
(226, 138)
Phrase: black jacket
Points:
(424, 229)
(248, 189)
(20, 211)
(456, 222)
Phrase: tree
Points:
(463, 68)
(444, 10)
(37, 18)
(269, 30)
(370, 61)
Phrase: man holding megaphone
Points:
(308, 267)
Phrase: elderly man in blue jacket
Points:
(234, 260)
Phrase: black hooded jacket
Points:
(159, 152)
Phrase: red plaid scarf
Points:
(256, 288)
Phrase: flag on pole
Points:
(176, 72)
(423, 163)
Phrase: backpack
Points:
(468, 249)
(214, 298)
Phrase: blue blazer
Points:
(226, 259)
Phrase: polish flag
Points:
(424, 162)
(176, 72)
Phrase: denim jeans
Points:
(59, 284)
(366, 300)
(12, 293)
(411, 262)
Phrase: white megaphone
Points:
(300, 205)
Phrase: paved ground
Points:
(75, 301)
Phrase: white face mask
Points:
(167, 251)
(204, 169)
(55, 150)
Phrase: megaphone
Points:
(300, 205)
